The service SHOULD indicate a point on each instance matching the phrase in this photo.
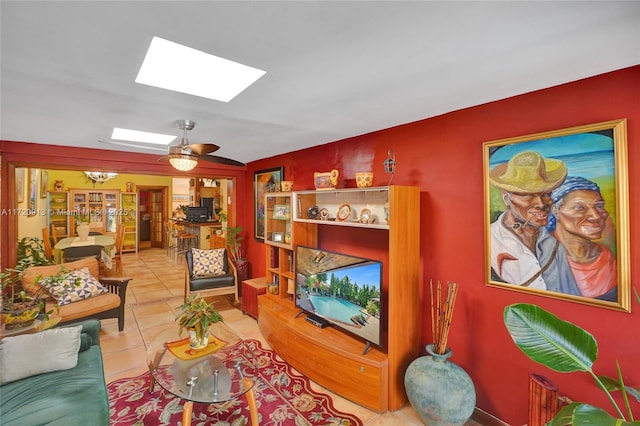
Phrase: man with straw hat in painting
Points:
(523, 252)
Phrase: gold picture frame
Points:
(44, 183)
(20, 184)
(549, 195)
(32, 191)
(264, 181)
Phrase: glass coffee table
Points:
(225, 370)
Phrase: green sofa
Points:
(77, 396)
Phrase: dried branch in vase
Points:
(441, 314)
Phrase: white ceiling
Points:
(334, 69)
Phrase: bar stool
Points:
(182, 240)
(172, 239)
(186, 240)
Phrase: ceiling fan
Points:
(185, 155)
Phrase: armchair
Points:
(210, 284)
(106, 305)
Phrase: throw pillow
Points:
(208, 262)
(74, 286)
(30, 354)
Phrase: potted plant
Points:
(222, 218)
(234, 242)
(82, 225)
(181, 211)
(565, 347)
(20, 309)
(196, 316)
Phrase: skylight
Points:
(138, 136)
(172, 66)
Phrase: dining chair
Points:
(54, 234)
(117, 257)
(80, 252)
(94, 233)
(46, 239)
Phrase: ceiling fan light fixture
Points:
(183, 162)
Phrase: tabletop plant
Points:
(565, 347)
(198, 315)
(81, 216)
(19, 308)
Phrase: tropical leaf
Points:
(614, 385)
(548, 340)
(588, 415)
(564, 417)
(580, 414)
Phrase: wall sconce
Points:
(100, 177)
(390, 165)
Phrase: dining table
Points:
(107, 242)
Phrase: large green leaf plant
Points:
(566, 348)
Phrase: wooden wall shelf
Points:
(331, 357)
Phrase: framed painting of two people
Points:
(556, 214)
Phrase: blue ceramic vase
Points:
(441, 392)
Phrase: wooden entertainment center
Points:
(332, 358)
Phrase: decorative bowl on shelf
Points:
(326, 180)
(364, 179)
(273, 288)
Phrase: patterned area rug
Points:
(284, 397)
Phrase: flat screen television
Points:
(341, 290)
(197, 214)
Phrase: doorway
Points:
(152, 216)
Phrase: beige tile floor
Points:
(153, 295)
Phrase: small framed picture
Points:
(281, 211)
(277, 237)
(44, 183)
(264, 181)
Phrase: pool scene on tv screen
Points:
(348, 297)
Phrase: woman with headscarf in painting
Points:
(578, 218)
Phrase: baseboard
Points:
(486, 419)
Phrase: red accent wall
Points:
(443, 156)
